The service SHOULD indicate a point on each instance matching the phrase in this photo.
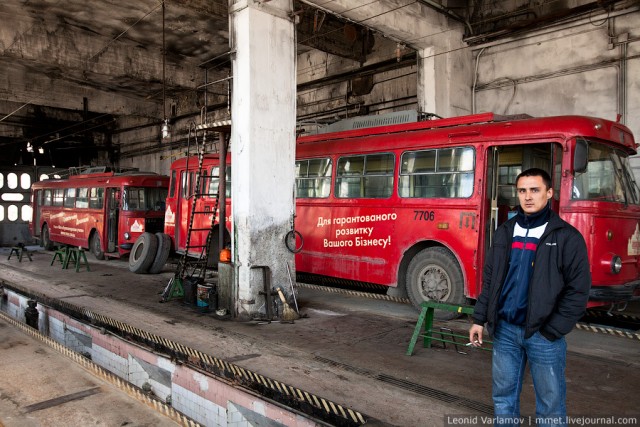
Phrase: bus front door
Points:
(504, 164)
(113, 204)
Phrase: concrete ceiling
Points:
(64, 62)
(115, 46)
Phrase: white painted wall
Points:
(574, 69)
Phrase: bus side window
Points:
(70, 198)
(172, 184)
(378, 180)
(82, 201)
(369, 176)
(58, 196)
(46, 198)
(96, 198)
(313, 178)
(184, 185)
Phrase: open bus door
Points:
(183, 211)
(36, 209)
(492, 195)
(113, 209)
(504, 164)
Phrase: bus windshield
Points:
(608, 177)
(143, 199)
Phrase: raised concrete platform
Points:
(349, 350)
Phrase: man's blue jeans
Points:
(547, 360)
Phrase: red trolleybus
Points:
(180, 204)
(413, 206)
(102, 211)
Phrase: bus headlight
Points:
(616, 264)
(127, 236)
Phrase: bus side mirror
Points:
(581, 156)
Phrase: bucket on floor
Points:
(189, 285)
(203, 295)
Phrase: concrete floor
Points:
(32, 375)
(349, 349)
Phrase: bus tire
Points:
(96, 246)
(434, 274)
(143, 253)
(47, 244)
(162, 254)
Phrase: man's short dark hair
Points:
(536, 172)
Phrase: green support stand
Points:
(425, 323)
(61, 253)
(174, 289)
(77, 257)
(19, 250)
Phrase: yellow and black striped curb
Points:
(105, 375)
(608, 331)
(291, 397)
(352, 292)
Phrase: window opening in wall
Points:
(12, 197)
(25, 181)
(26, 213)
(12, 213)
(12, 180)
(1, 213)
(44, 177)
(1, 180)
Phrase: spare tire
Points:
(143, 253)
(162, 254)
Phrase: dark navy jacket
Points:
(559, 285)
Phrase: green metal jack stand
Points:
(425, 323)
(174, 289)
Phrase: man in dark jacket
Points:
(535, 287)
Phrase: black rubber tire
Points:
(434, 274)
(162, 254)
(95, 245)
(290, 241)
(47, 244)
(143, 253)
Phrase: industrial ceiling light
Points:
(166, 129)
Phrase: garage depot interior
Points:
(359, 155)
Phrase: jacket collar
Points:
(533, 220)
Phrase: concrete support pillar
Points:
(444, 80)
(263, 111)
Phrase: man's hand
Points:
(475, 335)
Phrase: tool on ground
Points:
(267, 292)
(288, 313)
(293, 291)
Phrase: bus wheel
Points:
(434, 274)
(162, 254)
(143, 253)
(46, 239)
(96, 246)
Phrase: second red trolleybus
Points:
(413, 206)
(98, 210)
